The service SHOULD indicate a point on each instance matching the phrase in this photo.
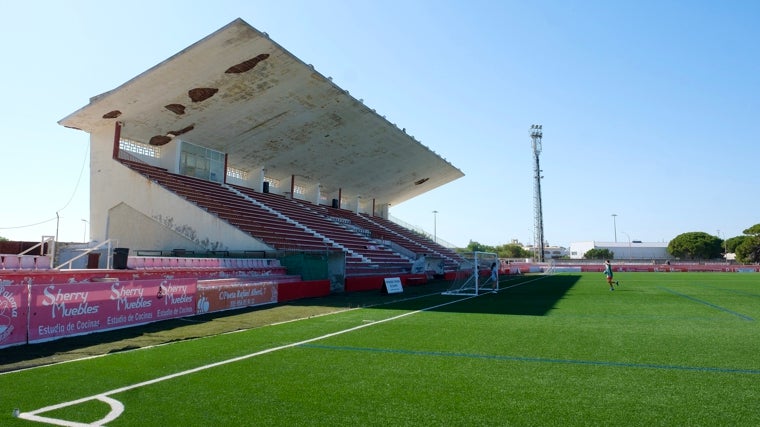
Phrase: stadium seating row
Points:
(24, 262)
(149, 262)
(289, 223)
(42, 262)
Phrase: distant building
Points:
(550, 252)
(634, 249)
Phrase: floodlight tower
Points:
(536, 133)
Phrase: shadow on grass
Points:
(525, 296)
(115, 341)
(528, 295)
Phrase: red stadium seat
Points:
(42, 262)
(26, 262)
(10, 262)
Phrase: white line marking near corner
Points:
(117, 407)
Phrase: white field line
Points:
(117, 408)
(147, 347)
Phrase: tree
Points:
(509, 250)
(597, 253)
(512, 250)
(695, 245)
(732, 243)
(474, 246)
(748, 251)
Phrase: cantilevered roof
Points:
(239, 92)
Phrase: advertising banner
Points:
(228, 294)
(13, 309)
(62, 310)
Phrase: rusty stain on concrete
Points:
(201, 93)
(178, 109)
(247, 65)
(186, 129)
(160, 140)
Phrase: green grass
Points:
(663, 349)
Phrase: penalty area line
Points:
(709, 304)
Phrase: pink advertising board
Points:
(13, 308)
(228, 294)
(62, 310)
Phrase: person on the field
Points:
(608, 273)
(494, 273)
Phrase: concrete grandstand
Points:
(234, 145)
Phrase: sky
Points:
(650, 109)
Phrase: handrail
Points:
(92, 249)
(45, 239)
(41, 245)
(436, 239)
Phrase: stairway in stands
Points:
(280, 222)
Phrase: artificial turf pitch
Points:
(662, 349)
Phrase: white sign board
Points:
(393, 285)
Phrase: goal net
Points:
(474, 274)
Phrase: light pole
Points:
(614, 225)
(723, 245)
(629, 244)
(435, 226)
(84, 235)
(536, 134)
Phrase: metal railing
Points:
(109, 258)
(41, 245)
(420, 230)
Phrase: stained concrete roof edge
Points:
(80, 114)
(241, 22)
(94, 99)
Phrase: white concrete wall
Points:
(123, 220)
(640, 251)
(622, 250)
(113, 184)
(577, 249)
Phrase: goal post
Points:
(474, 274)
(551, 268)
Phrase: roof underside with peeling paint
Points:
(238, 92)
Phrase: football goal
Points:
(474, 275)
(551, 268)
